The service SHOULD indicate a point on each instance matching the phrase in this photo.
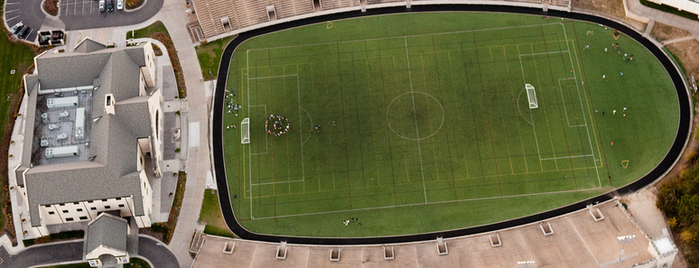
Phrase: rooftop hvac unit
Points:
(62, 136)
(80, 123)
(62, 102)
(45, 142)
(64, 151)
(54, 127)
(63, 114)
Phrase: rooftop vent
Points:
(80, 123)
(62, 102)
(64, 151)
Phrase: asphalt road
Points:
(148, 248)
(28, 12)
(85, 14)
(155, 252)
(43, 254)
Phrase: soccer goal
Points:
(245, 131)
(531, 95)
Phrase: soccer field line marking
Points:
(582, 110)
(587, 129)
(406, 36)
(565, 108)
(536, 138)
(567, 157)
(275, 183)
(417, 131)
(309, 117)
(272, 77)
(266, 143)
(247, 62)
(430, 203)
(519, 110)
(544, 53)
(413, 95)
(298, 91)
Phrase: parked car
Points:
(24, 32)
(15, 29)
(120, 4)
(102, 6)
(110, 6)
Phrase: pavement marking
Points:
(193, 134)
(8, 11)
(13, 18)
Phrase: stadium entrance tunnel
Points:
(402, 109)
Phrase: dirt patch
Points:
(614, 8)
(608, 8)
(687, 52)
(663, 32)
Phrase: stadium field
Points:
(412, 123)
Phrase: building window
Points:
(83, 218)
(90, 201)
(51, 212)
(107, 207)
(76, 203)
(65, 211)
(121, 205)
(118, 198)
(47, 206)
(104, 200)
(93, 208)
(61, 204)
(80, 209)
(69, 219)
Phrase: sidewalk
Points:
(197, 151)
(636, 8)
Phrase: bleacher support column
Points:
(408, 3)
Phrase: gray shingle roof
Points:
(108, 231)
(59, 71)
(88, 45)
(113, 138)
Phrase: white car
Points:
(101, 6)
(120, 4)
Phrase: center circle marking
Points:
(414, 114)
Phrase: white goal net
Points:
(245, 131)
(531, 95)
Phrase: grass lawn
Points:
(156, 27)
(412, 130)
(209, 55)
(15, 57)
(211, 216)
(133, 263)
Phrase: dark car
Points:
(24, 32)
(110, 5)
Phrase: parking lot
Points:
(27, 12)
(85, 14)
(78, 7)
(75, 15)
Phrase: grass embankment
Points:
(16, 60)
(165, 230)
(158, 32)
(209, 56)
(211, 215)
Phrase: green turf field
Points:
(432, 125)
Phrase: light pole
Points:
(623, 240)
(525, 264)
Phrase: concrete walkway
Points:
(197, 125)
(637, 9)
